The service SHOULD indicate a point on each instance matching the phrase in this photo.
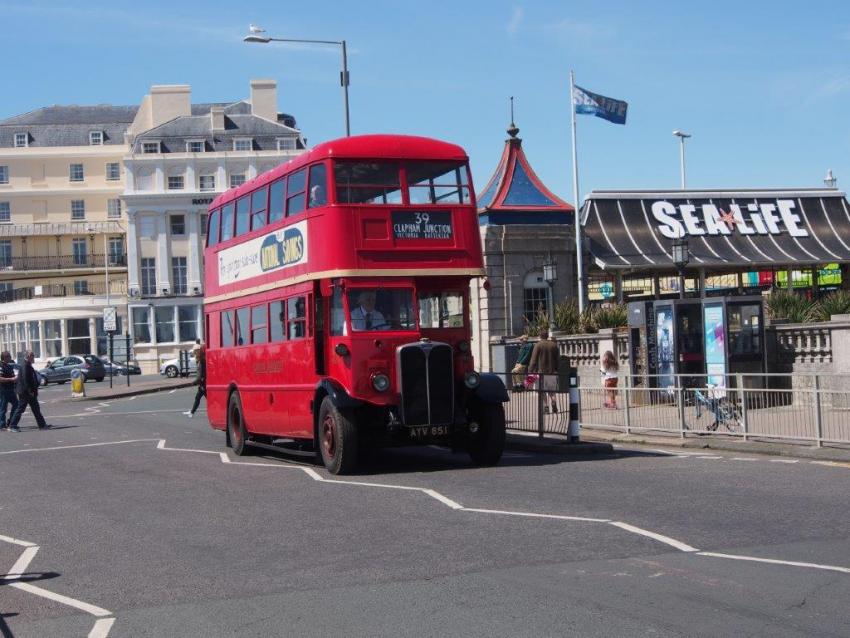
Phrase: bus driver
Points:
(364, 316)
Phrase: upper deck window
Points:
(318, 186)
(258, 207)
(295, 190)
(243, 214)
(212, 228)
(438, 183)
(360, 182)
(276, 193)
(227, 222)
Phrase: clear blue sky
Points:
(764, 87)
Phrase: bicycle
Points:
(725, 411)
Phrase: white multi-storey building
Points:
(182, 155)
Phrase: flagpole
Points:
(577, 220)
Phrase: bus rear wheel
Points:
(337, 438)
(488, 443)
(237, 435)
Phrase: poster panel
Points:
(715, 346)
(664, 339)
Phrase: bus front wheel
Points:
(337, 438)
(488, 443)
(237, 435)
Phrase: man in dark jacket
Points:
(200, 379)
(27, 390)
(8, 398)
(544, 361)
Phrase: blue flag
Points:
(607, 108)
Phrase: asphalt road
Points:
(126, 520)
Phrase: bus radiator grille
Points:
(427, 383)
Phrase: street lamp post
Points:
(681, 258)
(550, 276)
(255, 38)
(682, 136)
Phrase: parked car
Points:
(59, 370)
(120, 368)
(171, 368)
(17, 369)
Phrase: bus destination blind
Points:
(421, 225)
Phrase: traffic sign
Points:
(110, 319)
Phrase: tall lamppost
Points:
(256, 38)
(830, 180)
(681, 258)
(682, 137)
(550, 276)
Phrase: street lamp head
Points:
(256, 39)
(550, 272)
(681, 254)
(681, 134)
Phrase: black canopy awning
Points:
(724, 229)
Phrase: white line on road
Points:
(22, 563)
(773, 561)
(535, 515)
(101, 628)
(59, 598)
(659, 537)
(16, 541)
(784, 460)
(172, 392)
(70, 447)
(745, 458)
(133, 398)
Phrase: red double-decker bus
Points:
(337, 305)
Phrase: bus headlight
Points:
(471, 380)
(380, 382)
(463, 346)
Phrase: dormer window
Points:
(286, 143)
(22, 140)
(195, 146)
(96, 138)
(243, 144)
(150, 147)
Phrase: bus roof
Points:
(383, 146)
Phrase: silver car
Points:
(171, 368)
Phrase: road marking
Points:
(831, 463)
(745, 458)
(535, 515)
(106, 405)
(133, 398)
(172, 392)
(659, 537)
(101, 628)
(784, 460)
(22, 563)
(94, 610)
(71, 447)
(773, 561)
(16, 541)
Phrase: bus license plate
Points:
(425, 431)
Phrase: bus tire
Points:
(338, 441)
(487, 445)
(237, 435)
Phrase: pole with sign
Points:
(110, 325)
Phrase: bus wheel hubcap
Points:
(328, 439)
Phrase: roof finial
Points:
(513, 131)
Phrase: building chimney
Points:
(169, 101)
(217, 118)
(264, 99)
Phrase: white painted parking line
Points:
(172, 392)
(784, 460)
(101, 628)
(831, 463)
(70, 447)
(59, 598)
(22, 563)
(773, 561)
(659, 537)
(16, 541)
(558, 517)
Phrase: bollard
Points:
(78, 387)
(574, 430)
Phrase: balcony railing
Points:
(63, 262)
(62, 290)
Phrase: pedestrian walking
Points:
(610, 370)
(8, 398)
(200, 380)
(544, 362)
(521, 368)
(26, 388)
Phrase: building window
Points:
(76, 173)
(5, 253)
(237, 179)
(207, 182)
(178, 275)
(6, 294)
(141, 325)
(187, 320)
(22, 140)
(148, 272)
(243, 144)
(535, 296)
(147, 228)
(178, 224)
(80, 250)
(204, 222)
(150, 147)
(164, 316)
(81, 287)
(195, 146)
(79, 340)
(175, 182)
(78, 209)
(4, 174)
(113, 171)
(34, 341)
(52, 337)
(113, 208)
(96, 138)
(116, 251)
(286, 144)
(5, 212)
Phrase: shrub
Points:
(782, 304)
(835, 303)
